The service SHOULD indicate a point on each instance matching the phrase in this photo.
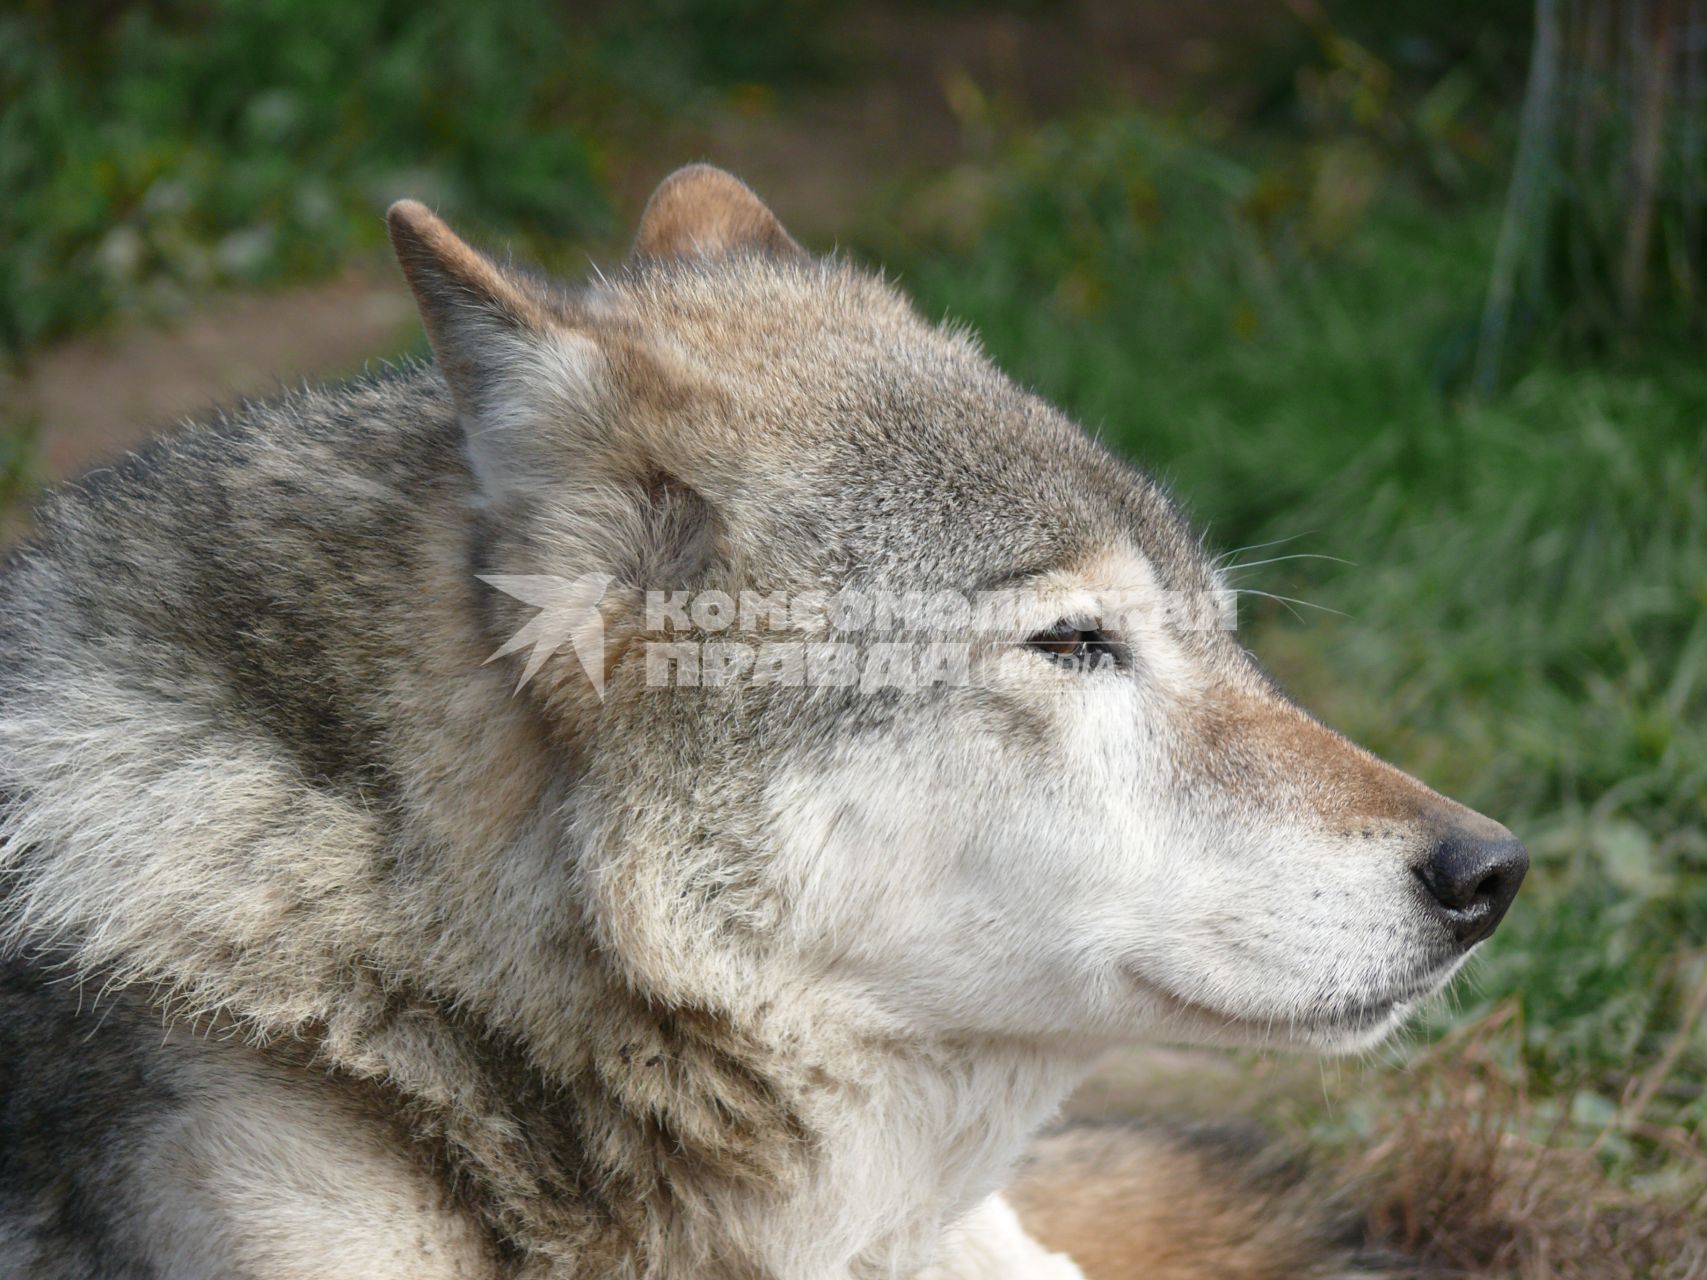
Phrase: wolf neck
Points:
(684, 1144)
(776, 1140)
(595, 1130)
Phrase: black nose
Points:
(1471, 880)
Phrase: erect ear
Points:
(477, 314)
(701, 210)
(512, 356)
(562, 413)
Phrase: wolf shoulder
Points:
(130, 1152)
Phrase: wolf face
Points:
(1112, 826)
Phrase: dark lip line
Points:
(1372, 1011)
(1358, 1018)
(1362, 1015)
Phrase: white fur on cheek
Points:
(1079, 881)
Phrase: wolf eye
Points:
(1070, 645)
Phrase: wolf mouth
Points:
(1324, 1024)
(1387, 1011)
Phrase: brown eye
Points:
(1068, 644)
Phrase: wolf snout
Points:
(1471, 877)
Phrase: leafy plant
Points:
(152, 151)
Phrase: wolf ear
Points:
(504, 345)
(701, 210)
(475, 312)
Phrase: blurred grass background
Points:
(1422, 348)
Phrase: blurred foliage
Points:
(672, 51)
(1623, 259)
(1470, 52)
(152, 151)
(1519, 612)
(156, 150)
(1610, 238)
(19, 463)
(1428, 39)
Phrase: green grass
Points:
(159, 151)
(1519, 591)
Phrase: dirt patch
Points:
(99, 395)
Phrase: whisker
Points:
(1259, 546)
(1296, 555)
(1289, 601)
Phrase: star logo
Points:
(568, 615)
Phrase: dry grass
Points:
(1471, 1179)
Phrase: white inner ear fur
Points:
(540, 404)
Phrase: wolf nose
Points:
(1472, 880)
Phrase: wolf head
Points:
(1112, 825)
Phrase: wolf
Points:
(338, 949)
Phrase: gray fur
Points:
(276, 830)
